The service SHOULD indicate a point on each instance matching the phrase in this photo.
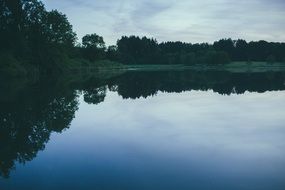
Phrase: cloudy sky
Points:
(173, 20)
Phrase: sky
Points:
(193, 21)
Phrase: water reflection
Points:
(29, 115)
(28, 119)
(95, 95)
(140, 84)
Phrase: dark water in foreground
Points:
(146, 130)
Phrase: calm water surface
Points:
(146, 130)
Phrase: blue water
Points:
(172, 140)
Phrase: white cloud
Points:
(190, 21)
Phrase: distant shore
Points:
(105, 67)
(235, 67)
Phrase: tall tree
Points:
(226, 45)
(93, 47)
(136, 50)
(59, 29)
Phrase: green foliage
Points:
(10, 66)
(112, 53)
(136, 50)
(226, 45)
(217, 57)
(93, 47)
(188, 58)
(271, 59)
(59, 29)
(241, 50)
(93, 41)
(35, 35)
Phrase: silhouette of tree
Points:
(31, 33)
(241, 50)
(225, 45)
(93, 47)
(135, 50)
(59, 29)
(112, 53)
(93, 41)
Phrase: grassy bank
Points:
(254, 67)
(235, 67)
(78, 73)
(12, 68)
(81, 68)
(15, 75)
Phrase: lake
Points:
(145, 130)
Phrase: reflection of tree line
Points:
(139, 84)
(27, 121)
(28, 118)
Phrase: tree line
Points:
(32, 37)
(135, 50)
